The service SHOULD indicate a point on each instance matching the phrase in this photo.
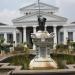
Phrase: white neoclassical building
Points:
(23, 26)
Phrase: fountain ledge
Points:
(16, 70)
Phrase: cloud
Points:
(7, 13)
(66, 8)
(6, 16)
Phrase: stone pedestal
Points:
(43, 42)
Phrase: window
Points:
(61, 37)
(9, 38)
(1, 35)
(70, 36)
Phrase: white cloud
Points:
(6, 16)
(66, 8)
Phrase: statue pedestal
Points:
(43, 42)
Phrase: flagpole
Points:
(39, 7)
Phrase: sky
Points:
(9, 9)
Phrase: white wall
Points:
(6, 30)
(66, 29)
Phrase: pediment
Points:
(35, 6)
(33, 17)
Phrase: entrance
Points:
(29, 30)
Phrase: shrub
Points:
(25, 58)
(2, 40)
(73, 45)
(61, 47)
(19, 48)
(3, 46)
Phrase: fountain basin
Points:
(59, 58)
(45, 72)
(69, 70)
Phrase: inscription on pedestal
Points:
(42, 52)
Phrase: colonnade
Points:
(24, 35)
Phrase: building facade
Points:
(23, 26)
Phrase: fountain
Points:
(43, 42)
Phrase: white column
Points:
(24, 34)
(73, 36)
(34, 31)
(55, 37)
(5, 37)
(59, 37)
(14, 37)
(45, 28)
(65, 36)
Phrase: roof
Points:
(33, 17)
(42, 6)
(73, 22)
(2, 24)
